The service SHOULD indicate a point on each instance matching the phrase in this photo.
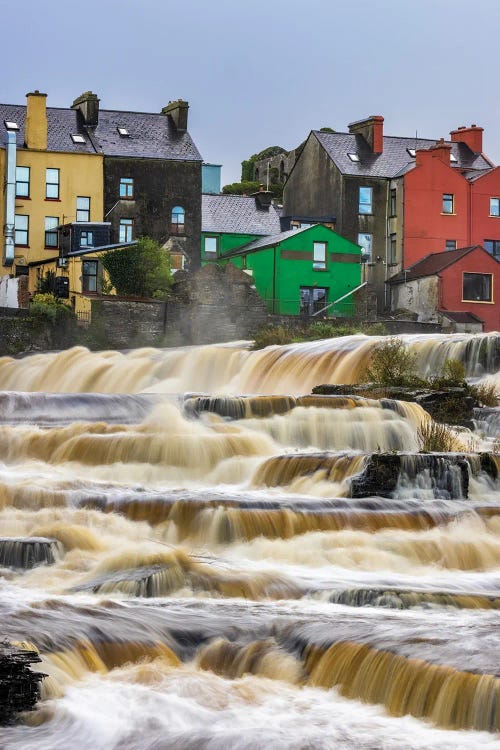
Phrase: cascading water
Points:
(205, 556)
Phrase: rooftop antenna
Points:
(267, 186)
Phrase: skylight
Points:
(412, 152)
(123, 131)
(76, 138)
(453, 157)
(353, 157)
(11, 125)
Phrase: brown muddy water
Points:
(179, 541)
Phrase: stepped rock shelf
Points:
(200, 569)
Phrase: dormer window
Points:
(412, 152)
(123, 132)
(353, 157)
(77, 138)
(11, 125)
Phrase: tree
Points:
(140, 271)
(241, 188)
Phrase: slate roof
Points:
(152, 136)
(237, 214)
(433, 264)
(394, 160)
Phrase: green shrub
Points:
(486, 395)
(392, 364)
(47, 308)
(139, 271)
(375, 329)
(434, 437)
(452, 375)
(271, 335)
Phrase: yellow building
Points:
(52, 170)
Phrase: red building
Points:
(446, 206)
(456, 285)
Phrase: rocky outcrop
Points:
(19, 685)
(449, 405)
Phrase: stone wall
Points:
(214, 304)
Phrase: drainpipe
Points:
(10, 199)
(274, 278)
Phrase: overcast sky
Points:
(264, 72)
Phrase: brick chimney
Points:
(440, 150)
(35, 131)
(472, 137)
(178, 114)
(372, 130)
(88, 105)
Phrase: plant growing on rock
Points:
(434, 437)
(392, 364)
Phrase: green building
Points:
(298, 272)
(230, 221)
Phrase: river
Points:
(182, 543)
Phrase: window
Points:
(492, 247)
(89, 276)
(211, 246)
(52, 184)
(77, 138)
(453, 158)
(86, 239)
(412, 152)
(451, 245)
(494, 206)
(393, 201)
(392, 248)
(11, 125)
(477, 287)
(22, 182)
(177, 222)
(123, 132)
(126, 187)
(82, 208)
(353, 157)
(126, 227)
(21, 229)
(319, 255)
(365, 242)
(51, 224)
(365, 200)
(448, 203)
(312, 299)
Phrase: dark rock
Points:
(19, 685)
(450, 405)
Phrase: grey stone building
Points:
(152, 175)
(354, 182)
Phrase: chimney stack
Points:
(372, 130)
(178, 114)
(263, 198)
(35, 131)
(88, 106)
(440, 150)
(472, 137)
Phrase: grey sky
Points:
(264, 72)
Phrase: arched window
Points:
(177, 220)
